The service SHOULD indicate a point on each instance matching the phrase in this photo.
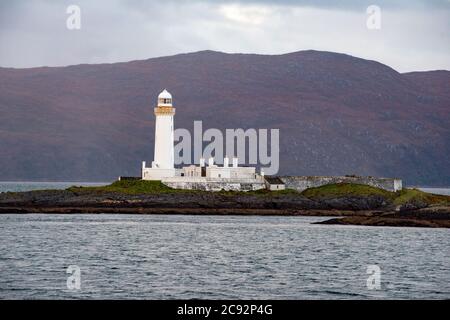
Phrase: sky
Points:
(413, 35)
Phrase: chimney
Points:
(202, 162)
(226, 162)
(211, 162)
(235, 162)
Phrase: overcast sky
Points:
(414, 34)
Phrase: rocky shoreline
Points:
(434, 217)
(350, 204)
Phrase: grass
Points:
(345, 189)
(416, 196)
(402, 197)
(130, 187)
(154, 187)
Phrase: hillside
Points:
(337, 114)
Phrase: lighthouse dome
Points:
(165, 95)
(165, 98)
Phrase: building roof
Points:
(165, 95)
(273, 180)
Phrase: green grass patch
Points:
(405, 196)
(416, 196)
(327, 191)
(154, 187)
(130, 187)
(345, 189)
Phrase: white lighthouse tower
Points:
(163, 163)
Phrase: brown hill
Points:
(337, 114)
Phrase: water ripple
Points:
(191, 257)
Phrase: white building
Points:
(212, 177)
(163, 163)
(213, 171)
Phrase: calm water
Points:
(163, 257)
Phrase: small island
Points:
(349, 204)
(238, 190)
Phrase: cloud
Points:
(414, 35)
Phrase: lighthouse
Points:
(163, 163)
(211, 177)
(164, 113)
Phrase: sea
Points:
(84, 256)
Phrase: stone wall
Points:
(301, 183)
(211, 184)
